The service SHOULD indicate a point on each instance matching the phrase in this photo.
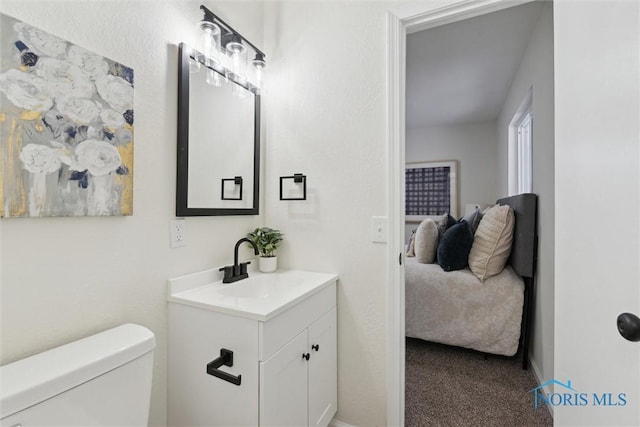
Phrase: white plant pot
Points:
(268, 264)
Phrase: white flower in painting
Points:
(99, 157)
(64, 79)
(117, 92)
(40, 42)
(91, 133)
(39, 159)
(112, 119)
(92, 65)
(26, 90)
(81, 111)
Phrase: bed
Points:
(456, 308)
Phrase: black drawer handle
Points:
(226, 358)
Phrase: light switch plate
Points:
(379, 229)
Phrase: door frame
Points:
(399, 24)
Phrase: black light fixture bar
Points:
(212, 17)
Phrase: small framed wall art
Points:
(431, 189)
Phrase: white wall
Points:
(597, 149)
(473, 145)
(65, 278)
(536, 71)
(325, 116)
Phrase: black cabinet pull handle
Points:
(306, 356)
(629, 326)
(316, 347)
(226, 359)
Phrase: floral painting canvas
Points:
(66, 127)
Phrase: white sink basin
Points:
(261, 296)
(249, 290)
(262, 286)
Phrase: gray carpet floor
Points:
(450, 386)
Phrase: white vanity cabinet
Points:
(307, 363)
(282, 330)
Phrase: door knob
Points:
(316, 347)
(306, 356)
(629, 326)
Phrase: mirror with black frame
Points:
(218, 141)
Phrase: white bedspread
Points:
(455, 308)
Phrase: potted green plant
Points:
(267, 240)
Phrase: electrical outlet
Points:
(379, 226)
(178, 233)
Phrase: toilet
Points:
(101, 380)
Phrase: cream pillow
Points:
(492, 242)
(426, 241)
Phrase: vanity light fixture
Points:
(226, 51)
(296, 188)
(211, 42)
(238, 54)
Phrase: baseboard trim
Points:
(338, 423)
(540, 380)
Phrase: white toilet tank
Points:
(101, 380)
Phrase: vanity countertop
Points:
(261, 296)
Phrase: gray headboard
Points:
(525, 240)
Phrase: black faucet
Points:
(235, 272)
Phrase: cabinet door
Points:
(196, 398)
(323, 370)
(283, 385)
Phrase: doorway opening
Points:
(459, 114)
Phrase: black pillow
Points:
(445, 223)
(454, 247)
